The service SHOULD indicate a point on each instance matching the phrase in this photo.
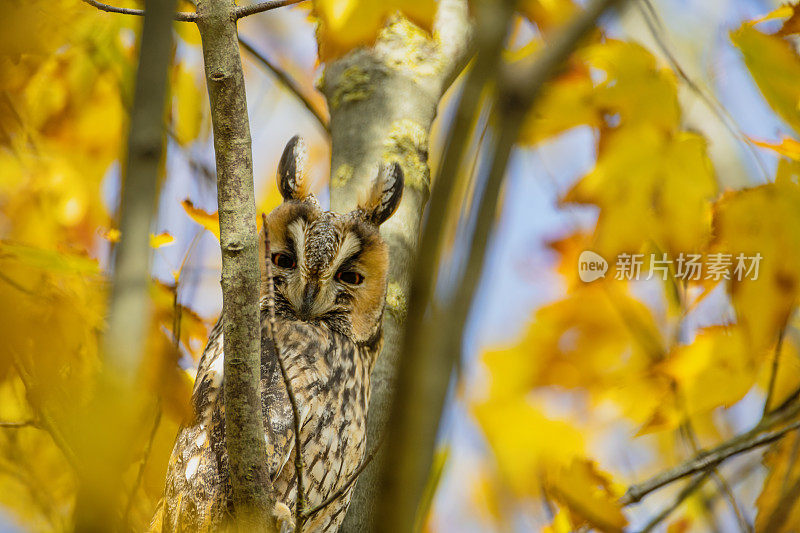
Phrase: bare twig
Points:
(286, 81)
(244, 11)
(773, 375)
(654, 24)
(16, 285)
(43, 418)
(180, 16)
(300, 501)
(685, 492)
(707, 460)
(722, 484)
(143, 462)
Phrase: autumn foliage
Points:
(655, 364)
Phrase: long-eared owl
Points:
(330, 276)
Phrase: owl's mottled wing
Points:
(197, 491)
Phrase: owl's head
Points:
(331, 268)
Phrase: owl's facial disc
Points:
(331, 268)
(328, 268)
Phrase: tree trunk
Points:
(244, 438)
(383, 101)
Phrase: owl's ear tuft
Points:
(385, 194)
(292, 182)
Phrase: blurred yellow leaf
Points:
(111, 235)
(347, 24)
(660, 192)
(187, 105)
(791, 25)
(596, 339)
(165, 377)
(589, 496)
(715, 370)
(762, 222)
(632, 82)
(192, 327)
(209, 221)
(566, 102)
(547, 14)
(775, 67)
(778, 505)
(787, 147)
(162, 239)
(527, 445)
(48, 260)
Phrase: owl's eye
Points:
(283, 260)
(349, 277)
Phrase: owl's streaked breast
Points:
(330, 377)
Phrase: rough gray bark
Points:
(240, 265)
(383, 101)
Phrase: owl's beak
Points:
(309, 295)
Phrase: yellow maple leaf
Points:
(209, 221)
(347, 24)
(660, 192)
(715, 370)
(633, 81)
(598, 339)
(589, 496)
(778, 505)
(775, 67)
(762, 222)
(527, 444)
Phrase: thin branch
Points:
(43, 419)
(654, 24)
(773, 375)
(687, 491)
(300, 501)
(143, 461)
(707, 460)
(16, 285)
(417, 404)
(286, 81)
(180, 16)
(721, 482)
(244, 11)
